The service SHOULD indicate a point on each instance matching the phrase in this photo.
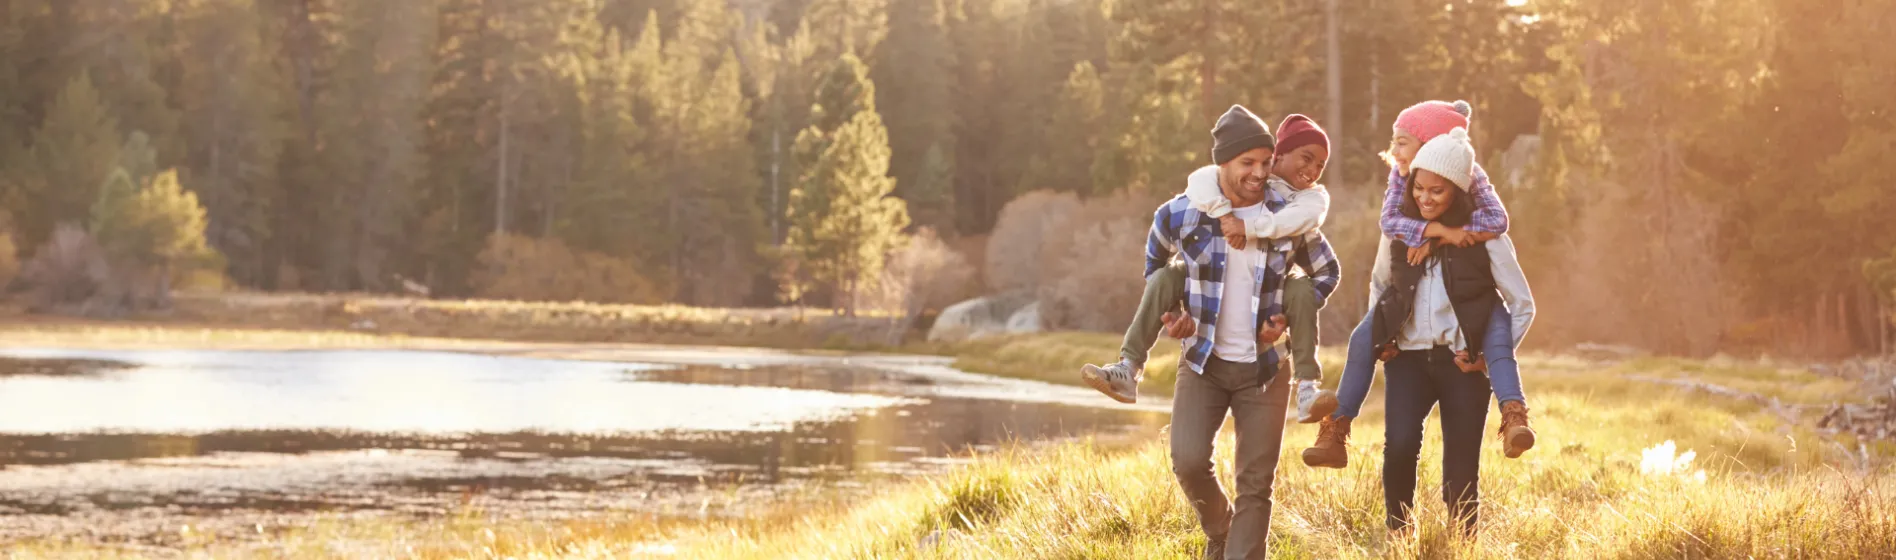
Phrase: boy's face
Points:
(1242, 178)
(1303, 166)
(1433, 194)
(1402, 148)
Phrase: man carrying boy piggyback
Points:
(1234, 296)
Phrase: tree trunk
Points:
(500, 175)
(1334, 79)
(1207, 71)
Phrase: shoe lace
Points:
(1332, 432)
(1513, 417)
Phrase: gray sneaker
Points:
(1119, 380)
(1313, 403)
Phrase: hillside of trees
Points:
(1684, 175)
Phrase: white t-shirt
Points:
(1236, 339)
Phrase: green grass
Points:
(1773, 487)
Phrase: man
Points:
(1229, 362)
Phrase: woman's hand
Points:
(1468, 365)
(1179, 324)
(1389, 352)
(1419, 254)
(1272, 330)
(1233, 230)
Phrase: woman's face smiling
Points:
(1433, 194)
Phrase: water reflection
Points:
(691, 424)
(178, 392)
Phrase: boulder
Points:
(985, 316)
(1025, 320)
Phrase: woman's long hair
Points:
(1461, 206)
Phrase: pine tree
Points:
(914, 77)
(150, 233)
(846, 26)
(1067, 162)
(371, 142)
(233, 100)
(72, 153)
(931, 199)
(843, 220)
(709, 225)
(127, 64)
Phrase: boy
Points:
(1301, 151)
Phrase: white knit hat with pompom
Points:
(1449, 155)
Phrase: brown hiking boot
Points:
(1516, 436)
(1333, 444)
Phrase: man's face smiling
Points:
(1242, 178)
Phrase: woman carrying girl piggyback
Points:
(1493, 352)
(1428, 324)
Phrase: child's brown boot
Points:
(1333, 444)
(1516, 436)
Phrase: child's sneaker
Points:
(1119, 380)
(1516, 436)
(1313, 403)
(1333, 444)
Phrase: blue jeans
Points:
(1418, 381)
(1360, 367)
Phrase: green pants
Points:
(1165, 291)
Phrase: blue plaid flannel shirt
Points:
(1178, 229)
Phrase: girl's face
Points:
(1402, 149)
(1433, 194)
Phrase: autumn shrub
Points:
(9, 259)
(1093, 278)
(921, 276)
(1013, 250)
(527, 269)
(66, 272)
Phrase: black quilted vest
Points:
(1469, 277)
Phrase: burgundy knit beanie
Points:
(1298, 131)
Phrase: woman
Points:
(1424, 319)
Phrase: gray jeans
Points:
(1198, 410)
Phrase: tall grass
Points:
(1771, 490)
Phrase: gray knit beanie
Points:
(1237, 132)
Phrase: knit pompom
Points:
(1459, 134)
(1464, 108)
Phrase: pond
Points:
(136, 440)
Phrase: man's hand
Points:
(1470, 366)
(1179, 325)
(1232, 229)
(1419, 254)
(1389, 352)
(1272, 330)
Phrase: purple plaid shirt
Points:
(1490, 216)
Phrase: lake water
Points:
(92, 437)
